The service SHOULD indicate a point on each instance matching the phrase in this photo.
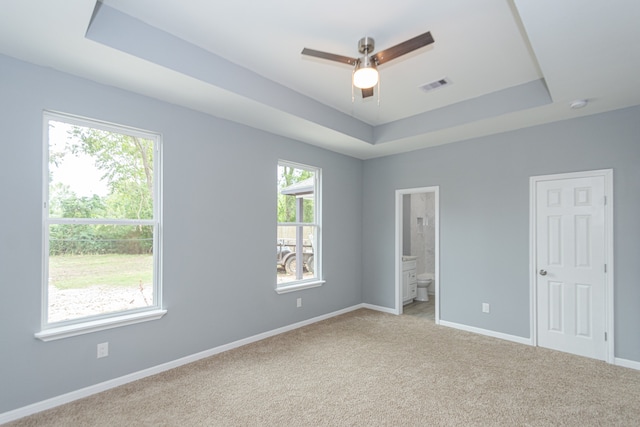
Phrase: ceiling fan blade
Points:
(329, 56)
(367, 92)
(403, 48)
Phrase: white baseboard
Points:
(626, 363)
(106, 385)
(487, 332)
(379, 308)
(473, 329)
(616, 361)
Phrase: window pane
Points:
(100, 220)
(99, 174)
(297, 250)
(287, 255)
(99, 269)
(296, 195)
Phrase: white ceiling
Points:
(512, 63)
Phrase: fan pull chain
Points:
(379, 92)
(353, 95)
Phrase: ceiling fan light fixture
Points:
(365, 75)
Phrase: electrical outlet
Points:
(299, 303)
(485, 307)
(103, 350)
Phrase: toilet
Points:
(424, 280)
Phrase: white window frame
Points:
(84, 325)
(317, 280)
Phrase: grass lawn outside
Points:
(91, 285)
(81, 271)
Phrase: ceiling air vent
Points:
(428, 87)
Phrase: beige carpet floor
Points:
(367, 368)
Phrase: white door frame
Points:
(398, 263)
(608, 225)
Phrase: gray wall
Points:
(484, 218)
(219, 236)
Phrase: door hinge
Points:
(605, 200)
(605, 268)
(605, 336)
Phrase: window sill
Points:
(299, 286)
(98, 325)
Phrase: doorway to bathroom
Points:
(417, 252)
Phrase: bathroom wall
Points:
(419, 240)
(423, 236)
(406, 224)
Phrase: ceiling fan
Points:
(365, 73)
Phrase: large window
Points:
(101, 223)
(298, 257)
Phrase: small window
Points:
(299, 230)
(101, 221)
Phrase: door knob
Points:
(543, 272)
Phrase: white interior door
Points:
(570, 258)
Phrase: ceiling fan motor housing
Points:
(366, 45)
